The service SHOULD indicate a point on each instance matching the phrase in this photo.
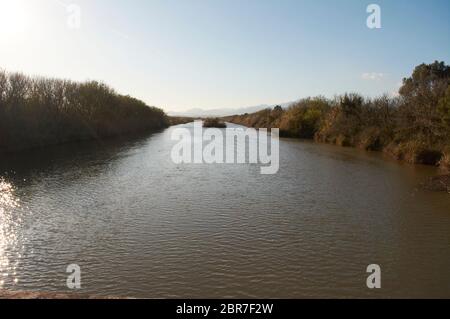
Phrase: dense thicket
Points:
(40, 111)
(415, 126)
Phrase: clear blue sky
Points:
(225, 53)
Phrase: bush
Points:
(303, 119)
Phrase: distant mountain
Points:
(198, 112)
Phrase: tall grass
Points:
(37, 111)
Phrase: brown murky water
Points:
(140, 226)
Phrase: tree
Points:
(427, 78)
(419, 118)
(278, 108)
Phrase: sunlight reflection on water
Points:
(9, 226)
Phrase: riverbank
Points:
(177, 120)
(414, 127)
(37, 112)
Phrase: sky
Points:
(183, 54)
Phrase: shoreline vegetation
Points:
(413, 126)
(37, 112)
(177, 120)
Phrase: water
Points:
(140, 226)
